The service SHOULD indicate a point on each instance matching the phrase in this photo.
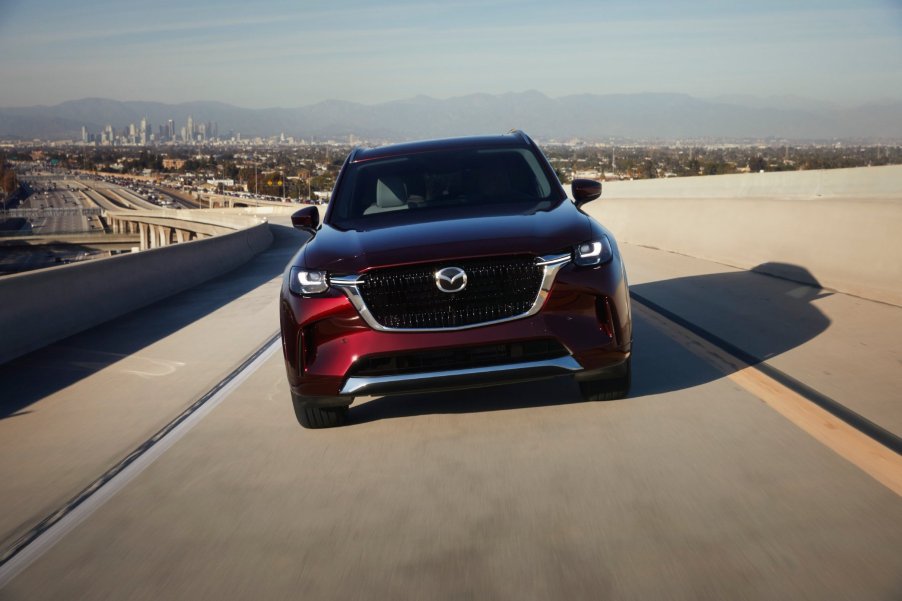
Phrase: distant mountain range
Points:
(585, 116)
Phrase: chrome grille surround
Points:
(550, 265)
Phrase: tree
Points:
(10, 182)
(757, 164)
(647, 169)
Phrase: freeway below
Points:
(46, 221)
(713, 480)
(60, 210)
(54, 211)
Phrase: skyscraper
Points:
(190, 128)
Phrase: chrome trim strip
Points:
(344, 280)
(553, 259)
(360, 385)
(550, 264)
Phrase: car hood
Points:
(536, 233)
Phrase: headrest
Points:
(390, 192)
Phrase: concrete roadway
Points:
(692, 488)
(120, 195)
(18, 259)
(128, 196)
(59, 198)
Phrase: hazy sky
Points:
(291, 53)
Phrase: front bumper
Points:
(586, 312)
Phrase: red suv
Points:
(449, 264)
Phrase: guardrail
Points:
(48, 305)
(162, 227)
(212, 200)
(52, 212)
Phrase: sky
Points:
(273, 53)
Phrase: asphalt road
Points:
(50, 224)
(24, 258)
(695, 487)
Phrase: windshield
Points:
(430, 181)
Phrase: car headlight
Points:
(594, 252)
(306, 281)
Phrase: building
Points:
(173, 163)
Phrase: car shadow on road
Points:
(28, 379)
(757, 315)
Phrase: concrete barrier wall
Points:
(44, 306)
(843, 226)
(232, 219)
(219, 199)
(862, 182)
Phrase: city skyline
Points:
(285, 54)
(592, 117)
(142, 133)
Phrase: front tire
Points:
(608, 389)
(316, 412)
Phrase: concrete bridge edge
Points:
(42, 307)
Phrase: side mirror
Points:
(306, 218)
(585, 190)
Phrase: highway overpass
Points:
(67, 219)
(226, 201)
(156, 454)
(118, 241)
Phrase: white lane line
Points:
(45, 541)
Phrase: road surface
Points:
(700, 485)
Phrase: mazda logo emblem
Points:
(451, 279)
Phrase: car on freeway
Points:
(451, 264)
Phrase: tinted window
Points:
(442, 180)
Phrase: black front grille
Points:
(407, 297)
